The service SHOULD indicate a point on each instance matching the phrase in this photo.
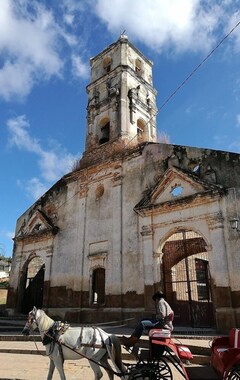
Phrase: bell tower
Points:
(121, 99)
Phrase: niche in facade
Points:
(104, 131)
(99, 192)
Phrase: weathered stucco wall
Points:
(98, 227)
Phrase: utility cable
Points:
(187, 78)
(177, 89)
(196, 68)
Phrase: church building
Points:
(133, 217)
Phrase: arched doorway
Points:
(33, 285)
(186, 277)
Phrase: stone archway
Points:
(32, 284)
(186, 277)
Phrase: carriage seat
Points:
(159, 333)
(224, 348)
(159, 336)
(163, 337)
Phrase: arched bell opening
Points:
(104, 131)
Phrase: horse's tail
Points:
(117, 353)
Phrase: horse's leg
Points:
(51, 370)
(97, 370)
(107, 367)
(58, 362)
(117, 353)
(59, 366)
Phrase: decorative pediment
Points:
(38, 224)
(177, 187)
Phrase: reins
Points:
(60, 344)
(90, 359)
(54, 340)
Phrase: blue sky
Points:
(44, 69)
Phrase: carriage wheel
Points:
(150, 371)
(234, 374)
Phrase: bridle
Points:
(31, 319)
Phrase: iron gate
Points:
(187, 279)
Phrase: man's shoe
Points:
(129, 342)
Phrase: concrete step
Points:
(201, 372)
(20, 338)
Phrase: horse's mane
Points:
(44, 322)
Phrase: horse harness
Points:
(59, 328)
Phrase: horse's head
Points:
(31, 323)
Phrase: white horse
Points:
(72, 343)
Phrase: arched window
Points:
(138, 67)
(104, 131)
(98, 286)
(140, 130)
(107, 64)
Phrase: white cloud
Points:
(28, 46)
(19, 135)
(34, 187)
(32, 43)
(36, 41)
(232, 22)
(53, 163)
(80, 69)
(179, 25)
(6, 235)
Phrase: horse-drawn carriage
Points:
(158, 360)
(162, 351)
(92, 343)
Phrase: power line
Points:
(176, 90)
(196, 68)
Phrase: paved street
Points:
(23, 358)
(27, 361)
(35, 367)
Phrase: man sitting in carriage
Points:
(164, 318)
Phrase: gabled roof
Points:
(39, 224)
(177, 187)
